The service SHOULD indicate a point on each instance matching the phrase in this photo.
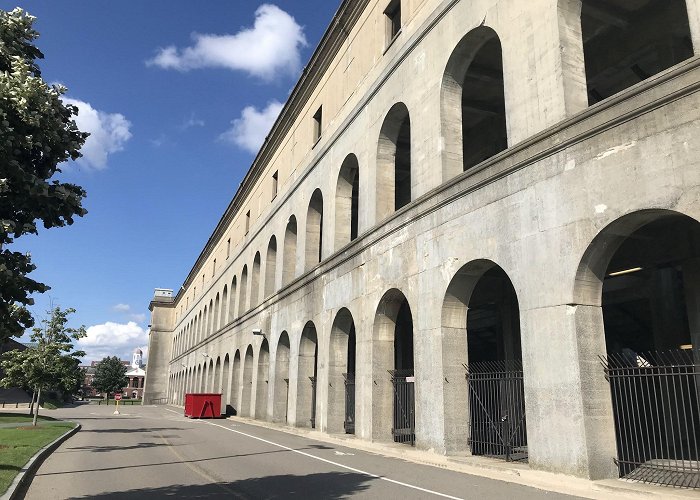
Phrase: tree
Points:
(51, 363)
(110, 375)
(37, 133)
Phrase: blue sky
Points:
(177, 96)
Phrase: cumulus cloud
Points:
(108, 133)
(113, 339)
(249, 131)
(122, 307)
(272, 45)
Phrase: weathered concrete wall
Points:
(534, 210)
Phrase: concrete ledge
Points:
(511, 472)
(24, 478)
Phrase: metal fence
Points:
(313, 402)
(657, 418)
(497, 410)
(349, 422)
(404, 422)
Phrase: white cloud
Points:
(273, 44)
(139, 318)
(249, 131)
(122, 308)
(108, 133)
(113, 339)
(192, 121)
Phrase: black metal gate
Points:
(497, 409)
(349, 423)
(313, 402)
(655, 398)
(404, 424)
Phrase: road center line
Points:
(334, 463)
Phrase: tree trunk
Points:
(31, 406)
(38, 399)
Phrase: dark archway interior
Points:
(644, 290)
(355, 206)
(627, 41)
(493, 319)
(402, 168)
(351, 350)
(403, 339)
(483, 106)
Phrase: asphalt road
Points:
(154, 452)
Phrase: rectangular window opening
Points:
(318, 124)
(228, 248)
(275, 183)
(393, 21)
(247, 222)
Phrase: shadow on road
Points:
(327, 486)
(138, 430)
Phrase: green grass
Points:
(7, 417)
(19, 444)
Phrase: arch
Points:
(341, 377)
(289, 259)
(242, 302)
(216, 384)
(347, 204)
(198, 327)
(271, 267)
(393, 184)
(232, 304)
(638, 287)
(281, 385)
(247, 390)
(226, 384)
(480, 323)
(210, 376)
(215, 317)
(307, 369)
(235, 392)
(223, 321)
(473, 111)
(255, 281)
(210, 319)
(392, 349)
(262, 381)
(314, 230)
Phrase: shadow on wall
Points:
(329, 485)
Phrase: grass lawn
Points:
(19, 444)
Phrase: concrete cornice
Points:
(337, 32)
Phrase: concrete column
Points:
(570, 426)
(693, 7)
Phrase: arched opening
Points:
(235, 391)
(242, 302)
(216, 386)
(246, 410)
(473, 102)
(210, 377)
(263, 380)
(224, 305)
(314, 230)
(215, 316)
(226, 386)
(281, 397)
(347, 195)
(306, 377)
(393, 398)
(627, 42)
(290, 251)
(198, 330)
(232, 304)
(199, 387)
(210, 319)
(341, 378)
(394, 162)
(641, 280)
(255, 281)
(271, 267)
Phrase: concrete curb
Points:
(24, 478)
(492, 469)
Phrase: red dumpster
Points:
(202, 405)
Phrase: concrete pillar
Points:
(693, 7)
(570, 426)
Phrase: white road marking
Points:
(337, 464)
(341, 453)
